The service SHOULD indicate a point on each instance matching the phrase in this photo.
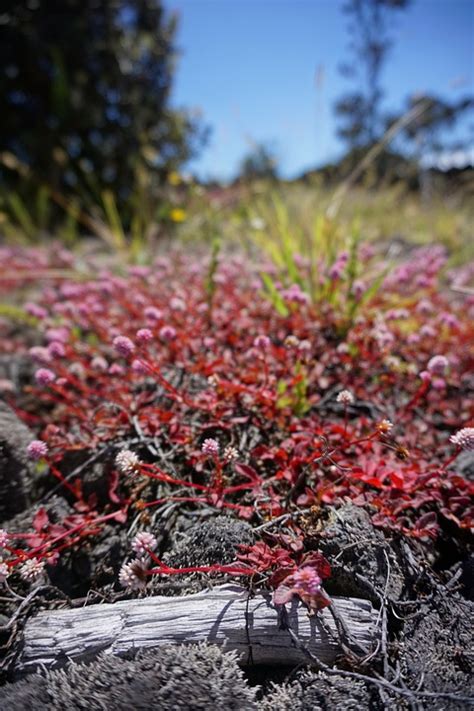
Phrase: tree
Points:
(360, 110)
(260, 162)
(85, 87)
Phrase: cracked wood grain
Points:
(224, 616)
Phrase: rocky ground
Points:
(427, 612)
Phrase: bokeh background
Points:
(138, 121)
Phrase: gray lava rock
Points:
(318, 692)
(437, 646)
(194, 677)
(361, 550)
(211, 541)
(15, 474)
(464, 465)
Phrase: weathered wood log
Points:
(223, 616)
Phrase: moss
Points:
(174, 677)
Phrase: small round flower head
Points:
(138, 366)
(144, 542)
(167, 333)
(37, 449)
(116, 369)
(231, 454)
(210, 447)
(385, 426)
(124, 346)
(99, 363)
(56, 349)
(345, 397)
(358, 288)
(35, 310)
(32, 569)
(144, 335)
(40, 354)
(4, 571)
(44, 376)
(3, 538)
(464, 438)
(292, 341)
(133, 575)
(425, 376)
(306, 580)
(127, 462)
(438, 364)
(152, 313)
(263, 343)
(336, 271)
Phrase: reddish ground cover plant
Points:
(217, 398)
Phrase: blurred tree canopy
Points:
(359, 111)
(85, 87)
(259, 162)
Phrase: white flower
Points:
(231, 453)
(346, 397)
(464, 438)
(127, 462)
(133, 575)
(32, 569)
(4, 571)
(385, 426)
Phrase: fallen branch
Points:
(224, 616)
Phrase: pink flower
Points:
(56, 349)
(138, 366)
(167, 333)
(3, 538)
(144, 542)
(305, 580)
(124, 346)
(144, 335)
(358, 288)
(464, 438)
(37, 449)
(210, 447)
(99, 363)
(425, 376)
(438, 364)
(40, 354)
(133, 575)
(263, 343)
(116, 369)
(35, 310)
(44, 376)
(336, 271)
(152, 313)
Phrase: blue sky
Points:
(251, 67)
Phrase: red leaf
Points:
(40, 520)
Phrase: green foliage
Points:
(87, 99)
(274, 295)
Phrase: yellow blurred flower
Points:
(174, 178)
(177, 214)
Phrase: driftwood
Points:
(224, 616)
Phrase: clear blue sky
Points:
(251, 67)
